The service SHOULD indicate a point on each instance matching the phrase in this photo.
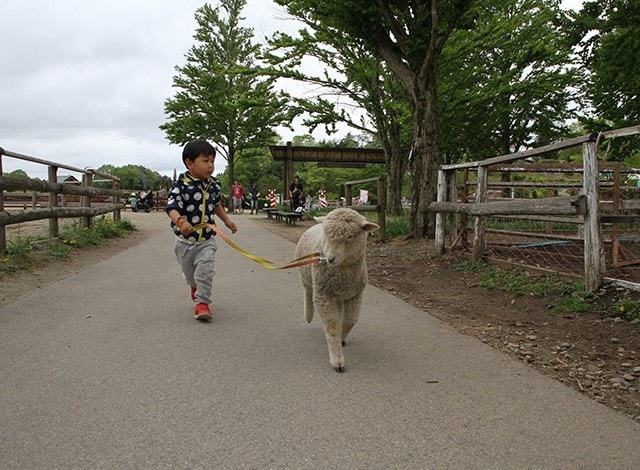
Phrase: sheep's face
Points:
(345, 236)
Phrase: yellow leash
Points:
(313, 258)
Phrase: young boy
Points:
(193, 200)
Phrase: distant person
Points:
(254, 193)
(133, 201)
(193, 200)
(296, 193)
(237, 194)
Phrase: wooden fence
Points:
(54, 212)
(381, 197)
(583, 208)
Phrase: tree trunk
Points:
(232, 176)
(426, 156)
(396, 166)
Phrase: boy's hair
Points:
(195, 148)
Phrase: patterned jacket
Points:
(195, 199)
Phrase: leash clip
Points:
(322, 258)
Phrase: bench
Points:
(270, 211)
(288, 217)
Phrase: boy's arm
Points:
(222, 214)
(181, 222)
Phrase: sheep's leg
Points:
(329, 311)
(351, 314)
(308, 304)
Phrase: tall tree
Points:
(355, 78)
(506, 82)
(219, 97)
(608, 37)
(409, 37)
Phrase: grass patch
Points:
(74, 235)
(570, 296)
(575, 303)
(524, 225)
(397, 227)
(58, 250)
(630, 308)
(20, 246)
(521, 284)
(470, 266)
(23, 254)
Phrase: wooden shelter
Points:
(325, 156)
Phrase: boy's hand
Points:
(231, 226)
(186, 228)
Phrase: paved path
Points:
(140, 384)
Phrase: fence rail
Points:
(53, 189)
(582, 227)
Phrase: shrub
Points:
(630, 308)
(20, 246)
(58, 250)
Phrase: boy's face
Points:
(202, 167)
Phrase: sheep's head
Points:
(345, 236)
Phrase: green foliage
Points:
(397, 227)
(20, 246)
(219, 95)
(23, 254)
(576, 302)
(256, 165)
(628, 307)
(606, 32)
(354, 71)
(58, 250)
(409, 38)
(570, 296)
(136, 177)
(74, 235)
(17, 174)
(521, 284)
(466, 266)
(503, 82)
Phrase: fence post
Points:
(85, 201)
(53, 202)
(347, 195)
(116, 199)
(615, 243)
(3, 229)
(441, 196)
(464, 219)
(382, 208)
(481, 196)
(288, 171)
(452, 220)
(593, 246)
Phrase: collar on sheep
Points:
(312, 258)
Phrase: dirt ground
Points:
(18, 284)
(597, 354)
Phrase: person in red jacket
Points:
(237, 194)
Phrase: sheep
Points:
(333, 288)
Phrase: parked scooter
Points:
(145, 203)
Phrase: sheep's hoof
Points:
(339, 369)
(343, 343)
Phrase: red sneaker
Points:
(202, 312)
(193, 294)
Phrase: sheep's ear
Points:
(319, 219)
(370, 227)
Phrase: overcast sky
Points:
(83, 82)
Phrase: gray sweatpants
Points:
(197, 262)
